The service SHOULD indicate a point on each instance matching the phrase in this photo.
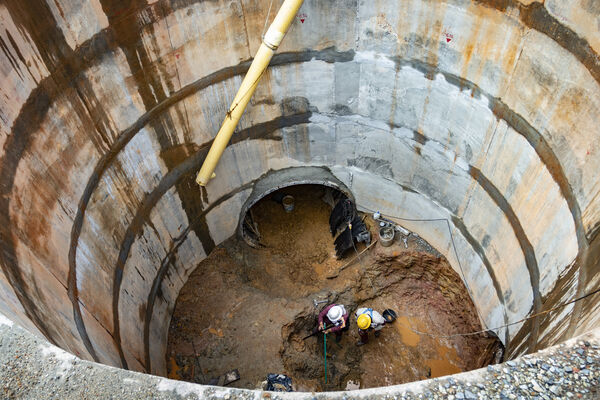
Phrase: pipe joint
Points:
(273, 38)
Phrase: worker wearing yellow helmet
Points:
(367, 319)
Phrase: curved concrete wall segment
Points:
(473, 123)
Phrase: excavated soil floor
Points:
(249, 309)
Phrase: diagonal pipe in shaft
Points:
(269, 45)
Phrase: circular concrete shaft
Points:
(479, 116)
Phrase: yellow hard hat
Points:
(363, 321)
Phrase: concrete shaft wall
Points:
(481, 116)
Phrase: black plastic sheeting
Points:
(344, 216)
(279, 383)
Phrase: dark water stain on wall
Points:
(36, 21)
(547, 156)
(589, 306)
(17, 144)
(480, 250)
(500, 5)
(189, 192)
(561, 293)
(536, 16)
(419, 137)
(130, 21)
(525, 244)
(11, 58)
(14, 46)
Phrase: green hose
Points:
(325, 346)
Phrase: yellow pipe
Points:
(270, 43)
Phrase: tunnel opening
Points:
(251, 304)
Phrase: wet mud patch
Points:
(304, 358)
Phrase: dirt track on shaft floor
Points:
(249, 309)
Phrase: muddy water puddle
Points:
(446, 364)
(409, 337)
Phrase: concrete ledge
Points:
(35, 369)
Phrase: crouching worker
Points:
(367, 319)
(333, 319)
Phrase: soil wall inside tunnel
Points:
(474, 116)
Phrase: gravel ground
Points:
(34, 369)
(569, 372)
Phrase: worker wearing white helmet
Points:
(368, 319)
(333, 319)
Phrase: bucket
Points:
(386, 236)
(389, 315)
(288, 203)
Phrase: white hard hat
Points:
(335, 313)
